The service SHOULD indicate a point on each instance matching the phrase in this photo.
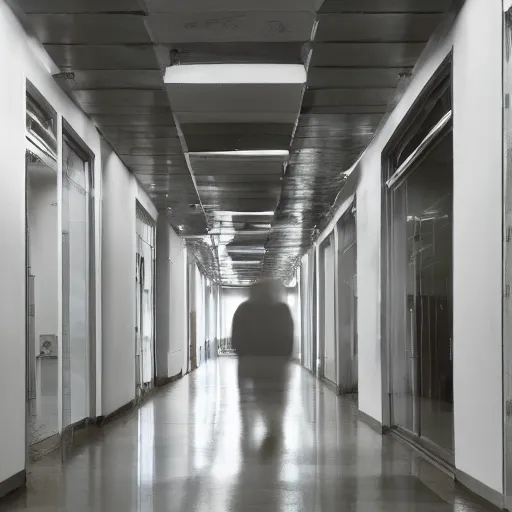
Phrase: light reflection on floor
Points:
(185, 451)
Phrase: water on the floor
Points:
(186, 451)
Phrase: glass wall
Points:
(42, 244)
(421, 296)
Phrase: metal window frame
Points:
(425, 146)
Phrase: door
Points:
(329, 313)
(422, 348)
(347, 303)
(145, 300)
(507, 272)
(76, 260)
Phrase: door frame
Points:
(77, 144)
(507, 257)
(52, 161)
(391, 181)
(141, 271)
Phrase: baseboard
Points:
(75, 434)
(107, 418)
(480, 489)
(371, 422)
(163, 381)
(43, 448)
(329, 385)
(437, 461)
(13, 483)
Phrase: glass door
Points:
(42, 242)
(347, 303)
(145, 297)
(327, 306)
(419, 208)
(422, 347)
(76, 192)
(404, 354)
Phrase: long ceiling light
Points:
(236, 74)
(246, 250)
(235, 232)
(243, 153)
(223, 213)
(246, 262)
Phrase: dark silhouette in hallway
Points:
(262, 337)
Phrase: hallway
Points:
(182, 452)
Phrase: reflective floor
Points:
(184, 451)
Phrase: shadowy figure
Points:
(262, 337)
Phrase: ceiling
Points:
(243, 217)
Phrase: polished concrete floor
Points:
(185, 451)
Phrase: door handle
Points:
(412, 351)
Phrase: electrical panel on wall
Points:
(48, 345)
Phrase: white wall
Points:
(171, 313)
(477, 212)
(231, 298)
(368, 225)
(373, 390)
(12, 228)
(120, 193)
(118, 277)
(200, 314)
(20, 60)
(292, 299)
(476, 38)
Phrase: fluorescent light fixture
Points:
(233, 232)
(246, 262)
(252, 152)
(244, 214)
(236, 74)
(246, 250)
(261, 226)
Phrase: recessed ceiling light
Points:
(255, 153)
(236, 74)
(246, 262)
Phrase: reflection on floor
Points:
(183, 452)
